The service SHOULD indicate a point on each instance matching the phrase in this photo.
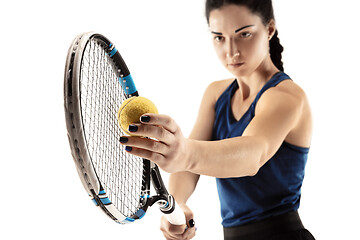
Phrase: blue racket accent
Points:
(128, 220)
(102, 192)
(94, 201)
(147, 196)
(128, 84)
(112, 53)
(105, 201)
(140, 213)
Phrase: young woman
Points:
(252, 133)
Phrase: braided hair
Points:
(262, 8)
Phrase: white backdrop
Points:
(167, 47)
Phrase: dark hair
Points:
(262, 8)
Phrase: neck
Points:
(252, 83)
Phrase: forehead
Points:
(231, 17)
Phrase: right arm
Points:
(183, 184)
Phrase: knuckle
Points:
(156, 157)
(168, 120)
(172, 124)
(161, 133)
(154, 145)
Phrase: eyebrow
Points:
(237, 30)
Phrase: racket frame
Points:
(76, 136)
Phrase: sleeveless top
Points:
(276, 188)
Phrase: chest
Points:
(240, 105)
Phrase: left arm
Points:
(277, 113)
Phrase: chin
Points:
(238, 71)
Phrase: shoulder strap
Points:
(228, 91)
(275, 80)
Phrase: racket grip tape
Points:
(173, 212)
(177, 216)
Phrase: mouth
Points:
(235, 65)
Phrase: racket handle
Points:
(173, 212)
(177, 217)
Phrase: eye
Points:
(246, 34)
(218, 38)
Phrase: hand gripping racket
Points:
(96, 83)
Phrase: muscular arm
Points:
(183, 184)
(276, 114)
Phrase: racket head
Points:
(96, 82)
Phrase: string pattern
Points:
(119, 172)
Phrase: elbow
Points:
(259, 159)
(257, 162)
(254, 169)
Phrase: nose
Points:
(232, 50)
(236, 54)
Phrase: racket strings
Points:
(120, 173)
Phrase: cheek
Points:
(258, 49)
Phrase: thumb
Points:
(189, 216)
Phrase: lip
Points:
(235, 65)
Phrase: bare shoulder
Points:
(287, 92)
(204, 123)
(216, 88)
(291, 99)
(291, 88)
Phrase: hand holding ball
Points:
(132, 109)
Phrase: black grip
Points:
(158, 182)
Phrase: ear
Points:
(271, 27)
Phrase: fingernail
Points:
(128, 149)
(191, 223)
(124, 139)
(133, 128)
(145, 118)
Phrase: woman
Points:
(252, 133)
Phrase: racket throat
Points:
(163, 198)
(168, 206)
(157, 181)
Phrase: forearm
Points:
(182, 185)
(234, 157)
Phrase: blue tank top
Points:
(276, 188)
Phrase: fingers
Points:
(171, 231)
(189, 233)
(145, 144)
(153, 126)
(160, 120)
(179, 232)
(165, 145)
(151, 131)
(158, 158)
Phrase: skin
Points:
(282, 114)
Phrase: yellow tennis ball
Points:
(131, 110)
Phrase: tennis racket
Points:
(96, 83)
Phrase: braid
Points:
(275, 51)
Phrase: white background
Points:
(167, 47)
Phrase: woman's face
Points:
(240, 39)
